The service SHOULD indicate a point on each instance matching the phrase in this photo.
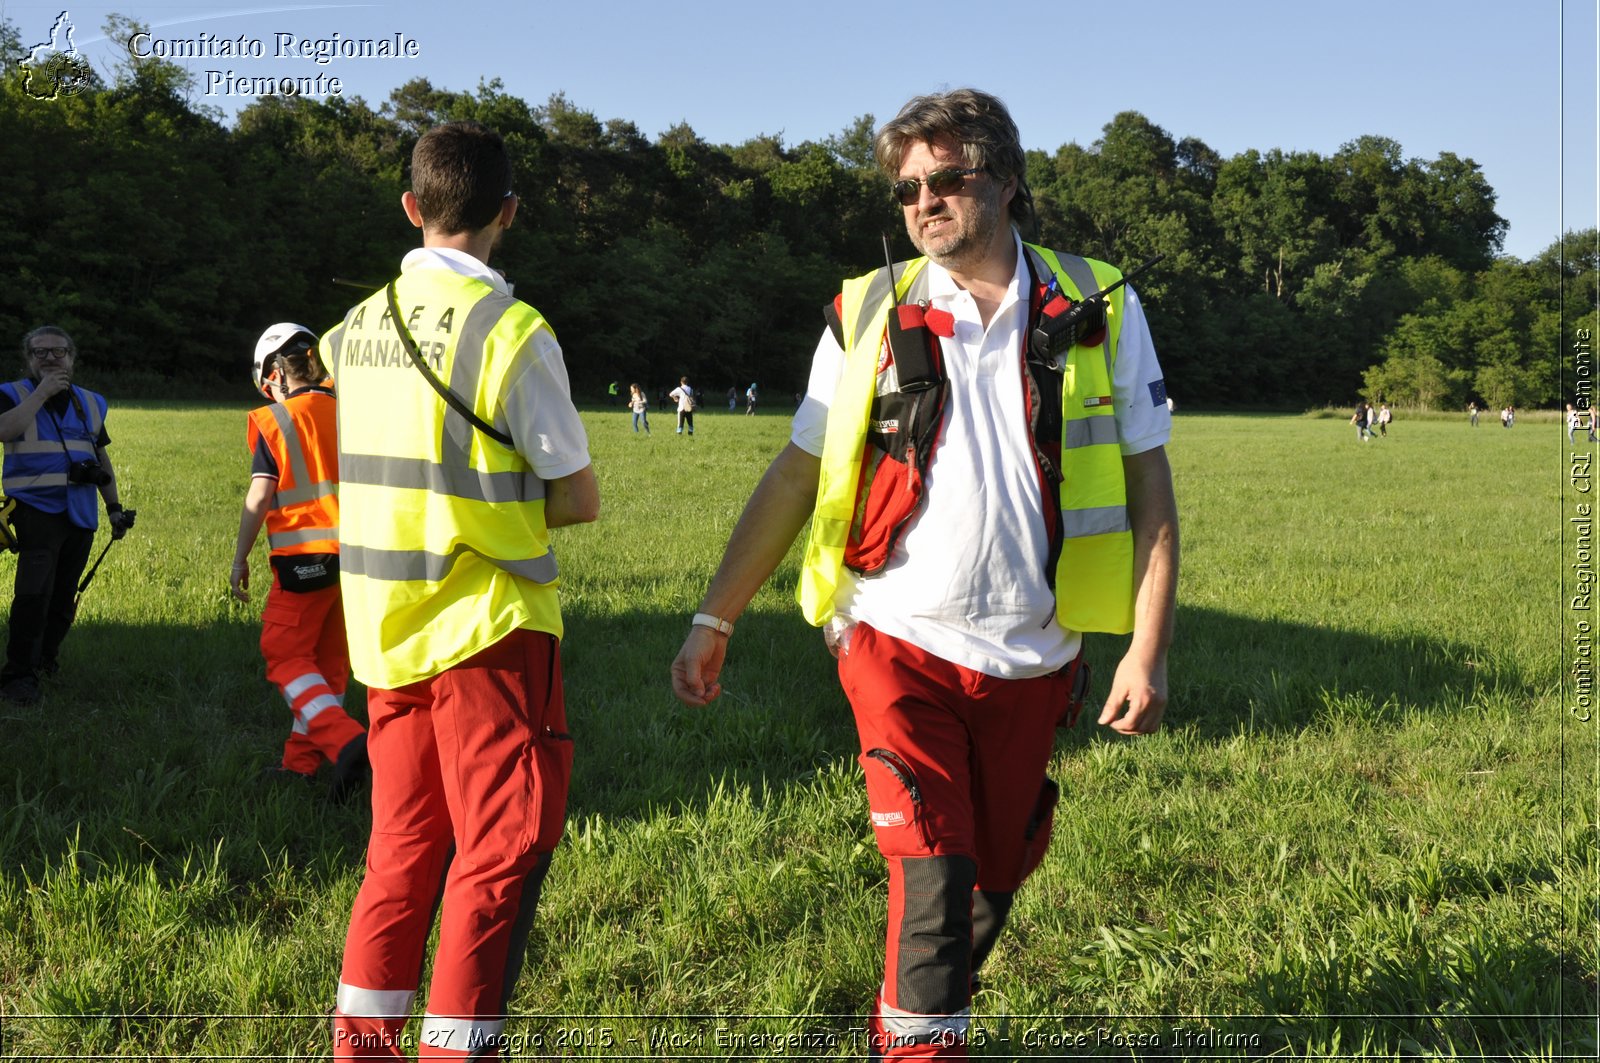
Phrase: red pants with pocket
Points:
(469, 793)
(961, 809)
(302, 640)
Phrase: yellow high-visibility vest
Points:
(1094, 572)
(442, 538)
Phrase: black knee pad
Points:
(990, 909)
(932, 934)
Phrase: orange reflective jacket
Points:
(300, 435)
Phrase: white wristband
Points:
(716, 623)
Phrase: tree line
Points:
(166, 240)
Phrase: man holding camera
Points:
(978, 498)
(55, 462)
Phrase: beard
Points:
(965, 239)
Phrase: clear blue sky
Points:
(1477, 77)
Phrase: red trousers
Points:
(469, 792)
(961, 809)
(302, 640)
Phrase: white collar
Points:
(455, 261)
(943, 286)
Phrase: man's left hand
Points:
(1138, 697)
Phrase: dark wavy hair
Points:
(978, 122)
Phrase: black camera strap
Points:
(451, 399)
(61, 432)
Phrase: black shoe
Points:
(21, 690)
(350, 771)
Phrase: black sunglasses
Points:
(940, 182)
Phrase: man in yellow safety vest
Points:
(459, 450)
(976, 502)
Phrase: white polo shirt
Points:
(966, 581)
(537, 403)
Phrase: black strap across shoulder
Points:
(454, 401)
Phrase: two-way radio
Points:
(1063, 324)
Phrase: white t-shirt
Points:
(537, 404)
(685, 396)
(966, 582)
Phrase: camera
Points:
(87, 471)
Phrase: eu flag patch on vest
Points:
(1158, 392)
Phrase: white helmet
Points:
(270, 345)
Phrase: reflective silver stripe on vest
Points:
(304, 494)
(401, 565)
(77, 447)
(1090, 431)
(298, 467)
(1099, 520)
(516, 485)
(22, 483)
(466, 368)
(881, 288)
(91, 414)
(301, 535)
(1083, 276)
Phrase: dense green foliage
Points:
(167, 240)
(1367, 832)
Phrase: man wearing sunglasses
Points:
(976, 504)
(55, 465)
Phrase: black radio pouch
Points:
(910, 343)
(304, 573)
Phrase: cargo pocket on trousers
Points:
(552, 753)
(895, 802)
(1041, 822)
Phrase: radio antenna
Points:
(888, 258)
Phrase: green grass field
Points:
(1367, 833)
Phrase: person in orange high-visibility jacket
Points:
(294, 493)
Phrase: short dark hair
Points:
(978, 122)
(47, 330)
(460, 174)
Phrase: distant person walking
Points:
(733, 397)
(1508, 417)
(1359, 419)
(640, 407)
(750, 400)
(1472, 413)
(683, 394)
(1574, 422)
(1385, 417)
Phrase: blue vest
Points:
(36, 462)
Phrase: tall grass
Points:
(1368, 831)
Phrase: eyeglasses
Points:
(47, 353)
(940, 182)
